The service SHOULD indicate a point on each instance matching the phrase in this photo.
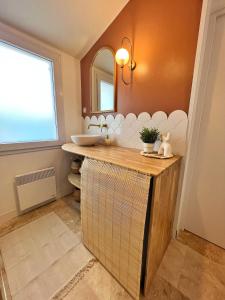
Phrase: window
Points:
(28, 114)
(106, 95)
(27, 105)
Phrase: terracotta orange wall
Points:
(164, 35)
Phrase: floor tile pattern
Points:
(192, 268)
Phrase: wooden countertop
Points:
(124, 157)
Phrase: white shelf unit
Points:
(74, 179)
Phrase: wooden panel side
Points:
(165, 188)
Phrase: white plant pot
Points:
(148, 148)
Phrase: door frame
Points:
(197, 100)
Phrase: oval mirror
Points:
(103, 90)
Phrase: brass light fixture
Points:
(125, 57)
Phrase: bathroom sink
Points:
(85, 139)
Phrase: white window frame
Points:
(28, 44)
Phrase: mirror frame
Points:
(114, 82)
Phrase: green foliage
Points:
(149, 135)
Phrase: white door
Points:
(205, 209)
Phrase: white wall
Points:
(11, 165)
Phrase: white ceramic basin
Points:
(85, 139)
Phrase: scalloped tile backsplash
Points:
(124, 131)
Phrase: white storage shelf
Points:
(74, 179)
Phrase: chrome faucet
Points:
(98, 125)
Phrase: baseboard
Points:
(65, 192)
(6, 217)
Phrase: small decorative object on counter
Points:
(107, 140)
(155, 155)
(165, 148)
(148, 137)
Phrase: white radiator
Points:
(35, 188)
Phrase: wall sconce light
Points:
(123, 57)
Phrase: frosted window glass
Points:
(27, 101)
(106, 96)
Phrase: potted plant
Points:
(148, 137)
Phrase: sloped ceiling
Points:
(71, 25)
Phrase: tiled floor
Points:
(192, 268)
